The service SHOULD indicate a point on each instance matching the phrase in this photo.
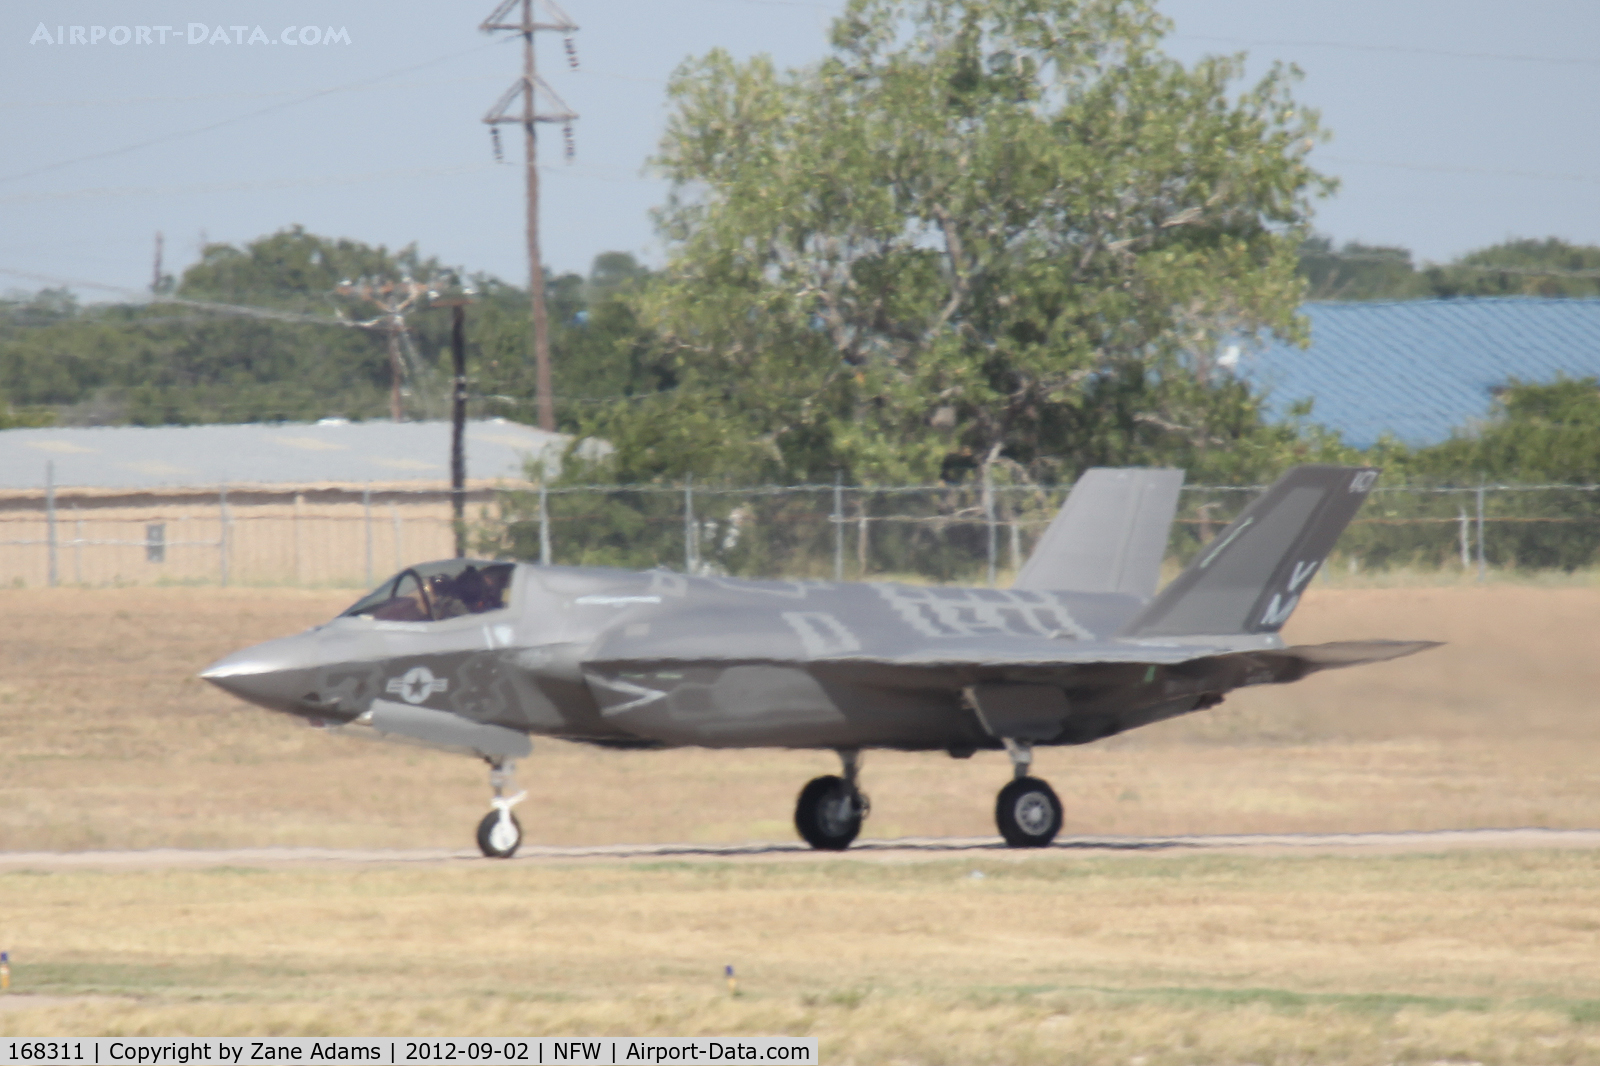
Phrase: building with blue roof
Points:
(1420, 369)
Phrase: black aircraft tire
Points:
(828, 813)
(1028, 813)
(493, 848)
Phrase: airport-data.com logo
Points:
(193, 33)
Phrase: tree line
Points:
(999, 238)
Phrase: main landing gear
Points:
(830, 809)
(500, 834)
(1027, 810)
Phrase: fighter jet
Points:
(475, 655)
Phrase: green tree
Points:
(1359, 271)
(1527, 267)
(190, 362)
(599, 350)
(1006, 232)
(1523, 267)
(1539, 434)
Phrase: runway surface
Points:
(901, 849)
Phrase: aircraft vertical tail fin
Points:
(1249, 579)
(1110, 535)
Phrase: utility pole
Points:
(395, 300)
(155, 277)
(458, 417)
(528, 87)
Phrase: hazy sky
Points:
(1457, 123)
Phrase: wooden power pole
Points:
(394, 300)
(528, 88)
(458, 417)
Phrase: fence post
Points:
(77, 545)
(1483, 566)
(691, 545)
(399, 541)
(1016, 538)
(544, 524)
(988, 517)
(299, 539)
(366, 512)
(50, 515)
(838, 527)
(1466, 542)
(222, 531)
(861, 536)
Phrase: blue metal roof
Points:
(329, 452)
(1418, 369)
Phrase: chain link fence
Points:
(227, 536)
(979, 534)
(971, 534)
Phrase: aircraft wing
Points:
(1004, 652)
(1061, 656)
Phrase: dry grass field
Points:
(1473, 957)
(108, 741)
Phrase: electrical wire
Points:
(243, 186)
(1360, 257)
(139, 101)
(207, 305)
(1354, 46)
(179, 135)
(1433, 168)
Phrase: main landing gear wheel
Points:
(831, 809)
(1028, 813)
(500, 834)
(829, 812)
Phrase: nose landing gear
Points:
(500, 834)
(831, 809)
(1027, 811)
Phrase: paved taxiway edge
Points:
(899, 848)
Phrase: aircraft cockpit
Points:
(433, 592)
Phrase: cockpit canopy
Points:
(432, 592)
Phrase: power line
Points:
(206, 305)
(140, 101)
(165, 138)
(242, 186)
(1433, 168)
(1354, 46)
(1476, 268)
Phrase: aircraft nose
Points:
(275, 675)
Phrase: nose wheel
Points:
(500, 834)
(830, 810)
(1027, 811)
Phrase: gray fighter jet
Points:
(476, 655)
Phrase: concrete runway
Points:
(900, 849)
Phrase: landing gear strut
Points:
(1027, 810)
(500, 834)
(830, 809)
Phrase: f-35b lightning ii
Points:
(476, 655)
